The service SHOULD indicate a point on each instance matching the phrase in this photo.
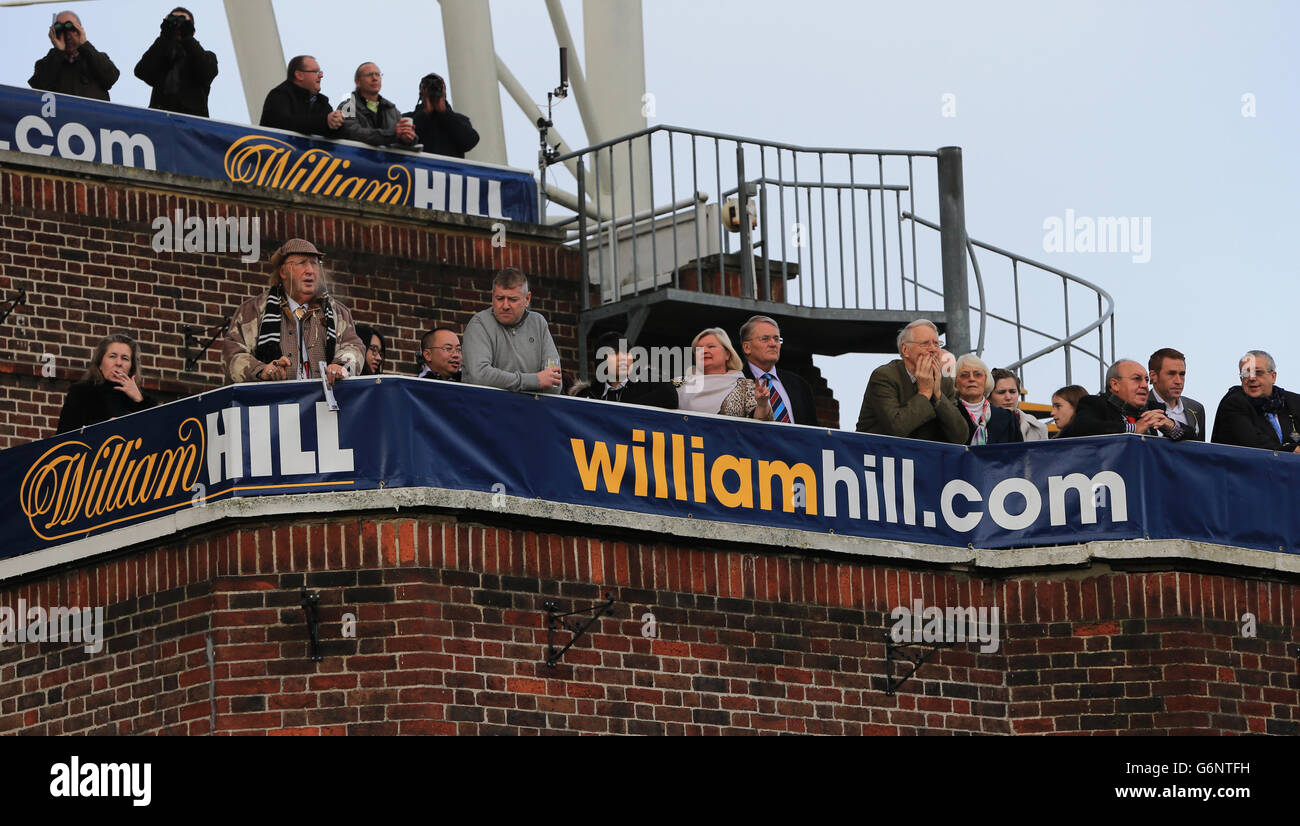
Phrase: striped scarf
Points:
(268, 334)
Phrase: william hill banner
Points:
(65, 126)
(269, 440)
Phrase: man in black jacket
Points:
(298, 105)
(73, 66)
(437, 127)
(1120, 408)
(1259, 413)
(177, 67)
(792, 398)
(618, 378)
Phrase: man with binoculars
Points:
(177, 67)
(73, 66)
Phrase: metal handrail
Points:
(1106, 312)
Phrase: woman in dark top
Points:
(108, 389)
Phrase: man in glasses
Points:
(910, 396)
(1258, 413)
(73, 66)
(371, 118)
(298, 105)
(289, 330)
(1121, 407)
(791, 397)
(440, 355)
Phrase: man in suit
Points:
(1120, 407)
(619, 379)
(791, 397)
(1258, 413)
(1168, 369)
(909, 397)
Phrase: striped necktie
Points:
(780, 413)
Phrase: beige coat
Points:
(240, 342)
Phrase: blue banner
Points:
(398, 432)
(65, 126)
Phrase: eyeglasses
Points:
(376, 349)
(449, 349)
(768, 339)
(937, 344)
(299, 263)
(1250, 374)
(311, 71)
(372, 74)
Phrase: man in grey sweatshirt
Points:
(509, 346)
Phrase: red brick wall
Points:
(450, 639)
(81, 247)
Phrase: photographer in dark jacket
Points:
(73, 66)
(177, 67)
(298, 105)
(437, 127)
(1258, 413)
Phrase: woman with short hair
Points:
(108, 388)
(988, 424)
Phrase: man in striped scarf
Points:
(286, 332)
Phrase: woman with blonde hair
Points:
(718, 384)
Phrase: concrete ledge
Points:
(551, 515)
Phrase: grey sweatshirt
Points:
(507, 357)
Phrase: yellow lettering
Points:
(743, 496)
(599, 463)
(768, 470)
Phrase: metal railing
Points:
(1068, 342)
(823, 223)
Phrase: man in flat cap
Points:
(286, 332)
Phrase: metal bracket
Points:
(555, 622)
(13, 303)
(897, 652)
(193, 350)
(311, 608)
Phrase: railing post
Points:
(952, 245)
(746, 237)
(585, 286)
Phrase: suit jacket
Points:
(892, 407)
(645, 393)
(801, 401)
(1194, 430)
(1237, 422)
(1002, 426)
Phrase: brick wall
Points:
(80, 241)
(450, 637)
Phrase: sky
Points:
(1178, 115)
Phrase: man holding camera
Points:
(371, 118)
(73, 66)
(437, 127)
(178, 68)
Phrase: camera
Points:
(174, 24)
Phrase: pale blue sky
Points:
(1107, 108)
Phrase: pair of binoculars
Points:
(63, 28)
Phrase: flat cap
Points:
(294, 246)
